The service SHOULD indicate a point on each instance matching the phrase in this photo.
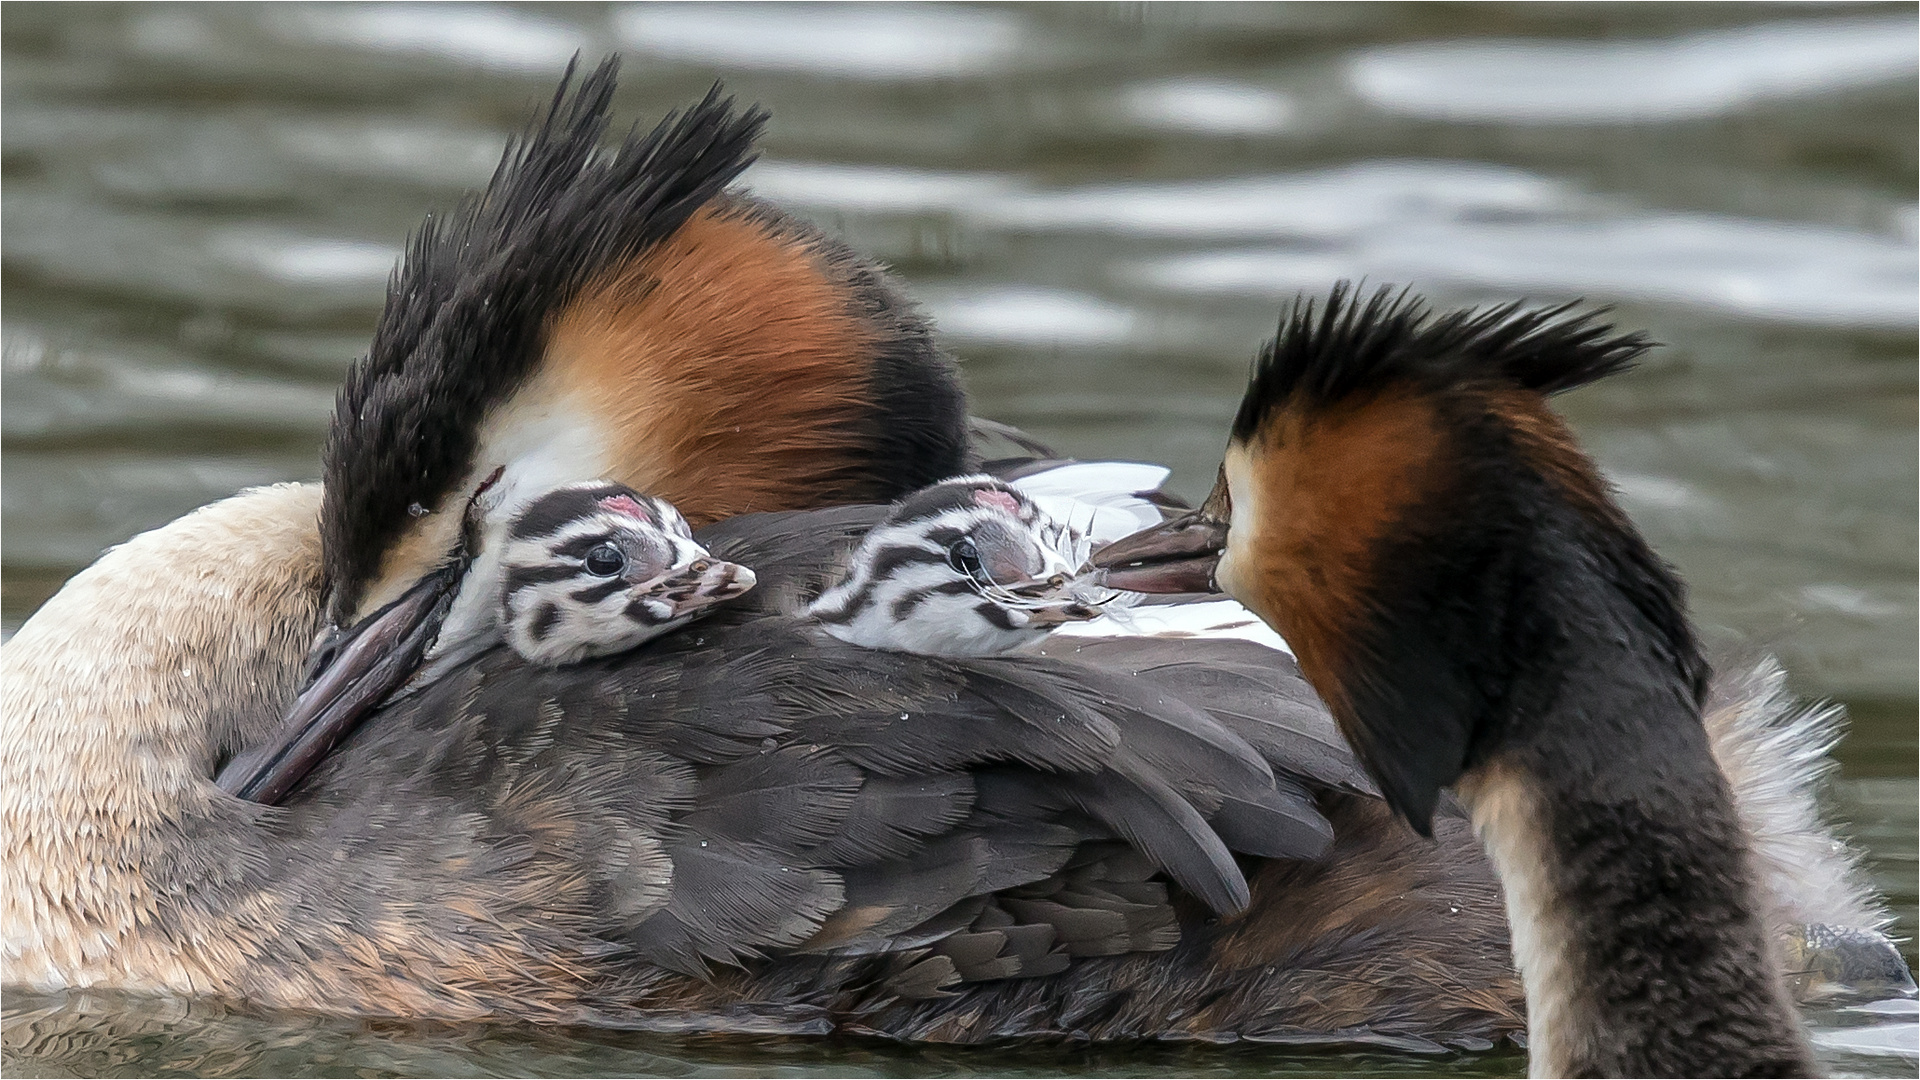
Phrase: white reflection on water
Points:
(1209, 106)
(1770, 271)
(493, 37)
(821, 186)
(1026, 315)
(865, 41)
(303, 260)
(1643, 492)
(1879, 1040)
(1326, 204)
(1436, 225)
(392, 149)
(1846, 600)
(1682, 78)
(1331, 203)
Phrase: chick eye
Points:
(605, 561)
(965, 558)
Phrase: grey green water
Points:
(1103, 206)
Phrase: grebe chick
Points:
(1399, 501)
(596, 568)
(967, 567)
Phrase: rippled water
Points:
(1103, 206)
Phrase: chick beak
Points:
(350, 672)
(1059, 597)
(1173, 557)
(1067, 611)
(697, 585)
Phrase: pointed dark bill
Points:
(352, 672)
(1052, 601)
(1177, 556)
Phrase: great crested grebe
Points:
(743, 824)
(1399, 501)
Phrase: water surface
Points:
(1104, 208)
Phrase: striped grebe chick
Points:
(596, 568)
(967, 567)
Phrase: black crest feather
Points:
(1349, 345)
(467, 310)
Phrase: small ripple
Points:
(74, 242)
(1880, 1040)
(1209, 106)
(303, 260)
(486, 37)
(126, 391)
(826, 186)
(424, 153)
(1606, 82)
(863, 42)
(1644, 492)
(1027, 315)
(1769, 271)
(1847, 600)
(1326, 204)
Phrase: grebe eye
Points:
(605, 561)
(965, 558)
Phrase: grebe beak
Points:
(1062, 613)
(1059, 598)
(700, 584)
(350, 672)
(1173, 557)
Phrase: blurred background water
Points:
(1104, 207)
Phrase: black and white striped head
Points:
(595, 568)
(967, 567)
